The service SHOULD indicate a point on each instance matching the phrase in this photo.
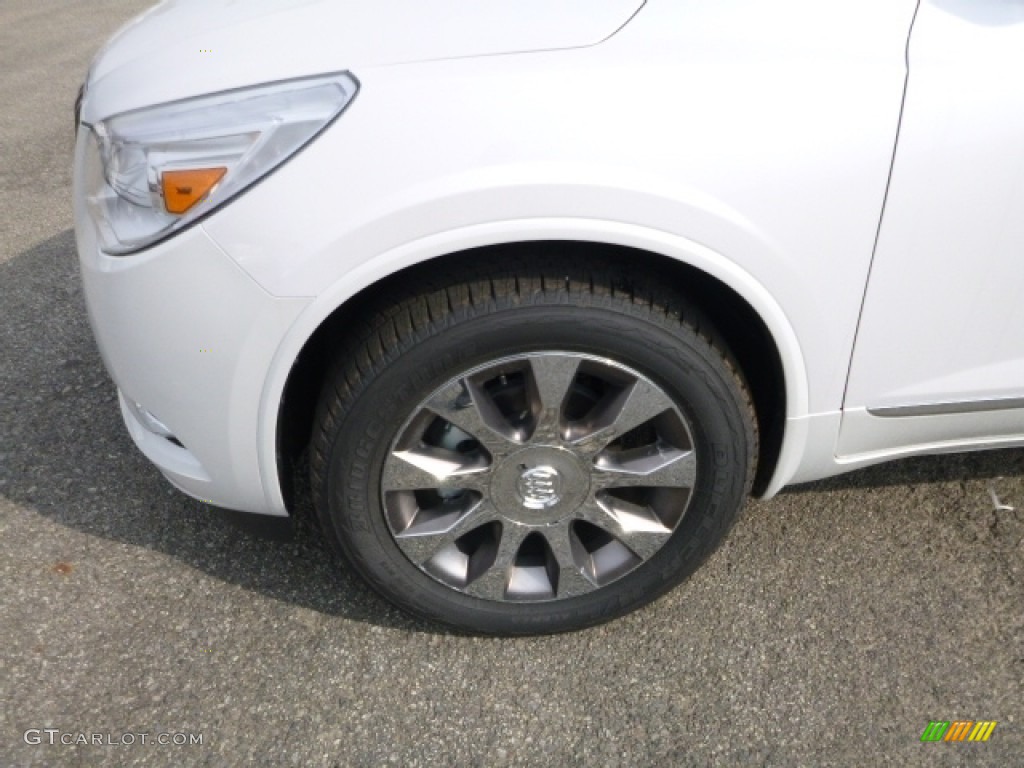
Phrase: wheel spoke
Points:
(428, 467)
(637, 404)
(471, 410)
(652, 466)
(552, 377)
(493, 583)
(635, 526)
(571, 579)
(421, 543)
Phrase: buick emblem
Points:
(540, 487)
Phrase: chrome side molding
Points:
(938, 409)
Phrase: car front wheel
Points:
(531, 454)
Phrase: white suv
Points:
(546, 288)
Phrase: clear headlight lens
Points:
(153, 171)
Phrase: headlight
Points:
(153, 171)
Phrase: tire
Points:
(534, 453)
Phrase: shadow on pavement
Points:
(66, 455)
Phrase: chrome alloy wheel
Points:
(538, 477)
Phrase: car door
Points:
(939, 355)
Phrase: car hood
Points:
(181, 48)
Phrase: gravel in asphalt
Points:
(835, 623)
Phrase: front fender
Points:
(525, 230)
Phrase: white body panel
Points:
(777, 166)
(751, 141)
(799, 228)
(943, 324)
(183, 331)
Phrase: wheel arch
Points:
(747, 317)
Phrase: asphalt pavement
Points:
(836, 622)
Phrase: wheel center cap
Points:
(539, 487)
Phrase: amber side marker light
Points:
(183, 189)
